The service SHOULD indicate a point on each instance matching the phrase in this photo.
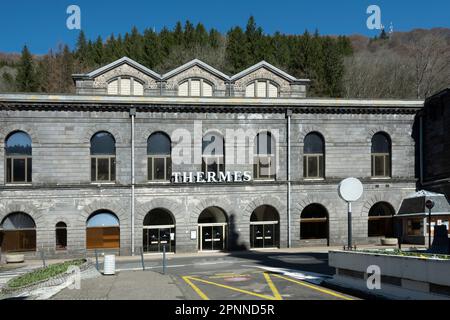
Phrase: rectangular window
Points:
(381, 165)
(313, 166)
(264, 167)
(159, 168)
(103, 169)
(18, 170)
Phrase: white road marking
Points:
(312, 277)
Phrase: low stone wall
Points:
(430, 276)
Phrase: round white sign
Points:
(350, 189)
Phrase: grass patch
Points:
(397, 252)
(43, 273)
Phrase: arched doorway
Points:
(158, 231)
(381, 220)
(314, 222)
(212, 229)
(265, 228)
(103, 231)
(18, 233)
(61, 235)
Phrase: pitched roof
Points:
(116, 64)
(265, 64)
(195, 62)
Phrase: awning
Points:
(414, 205)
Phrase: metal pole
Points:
(43, 258)
(132, 114)
(164, 259)
(96, 260)
(429, 228)
(349, 226)
(289, 113)
(142, 259)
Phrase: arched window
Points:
(102, 231)
(261, 89)
(381, 155)
(212, 229)
(314, 222)
(264, 165)
(159, 231)
(314, 156)
(265, 227)
(213, 155)
(381, 220)
(18, 158)
(125, 86)
(61, 236)
(159, 161)
(18, 233)
(103, 157)
(195, 88)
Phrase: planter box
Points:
(14, 258)
(411, 273)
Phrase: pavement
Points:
(263, 275)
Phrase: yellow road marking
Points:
(272, 287)
(314, 287)
(196, 289)
(229, 288)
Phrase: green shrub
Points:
(397, 252)
(43, 273)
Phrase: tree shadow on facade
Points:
(234, 244)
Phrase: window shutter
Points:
(125, 87)
(207, 90)
(273, 90)
(113, 88)
(261, 91)
(183, 89)
(138, 88)
(250, 90)
(195, 88)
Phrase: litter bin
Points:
(109, 265)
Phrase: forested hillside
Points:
(401, 65)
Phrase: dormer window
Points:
(124, 86)
(261, 89)
(195, 88)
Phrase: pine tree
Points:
(236, 52)
(26, 79)
(81, 50)
(152, 54)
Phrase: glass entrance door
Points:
(155, 238)
(212, 237)
(264, 235)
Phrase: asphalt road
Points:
(247, 276)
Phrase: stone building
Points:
(127, 162)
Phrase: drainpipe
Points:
(421, 149)
(288, 134)
(132, 115)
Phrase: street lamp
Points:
(350, 190)
(429, 204)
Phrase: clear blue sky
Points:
(42, 24)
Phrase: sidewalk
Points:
(147, 285)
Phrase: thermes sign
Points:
(205, 177)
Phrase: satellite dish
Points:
(350, 189)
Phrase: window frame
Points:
(189, 92)
(386, 158)
(28, 167)
(267, 82)
(151, 174)
(104, 157)
(119, 86)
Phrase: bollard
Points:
(43, 258)
(96, 260)
(142, 259)
(164, 259)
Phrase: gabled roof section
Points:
(272, 68)
(115, 64)
(196, 62)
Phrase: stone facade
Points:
(61, 127)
